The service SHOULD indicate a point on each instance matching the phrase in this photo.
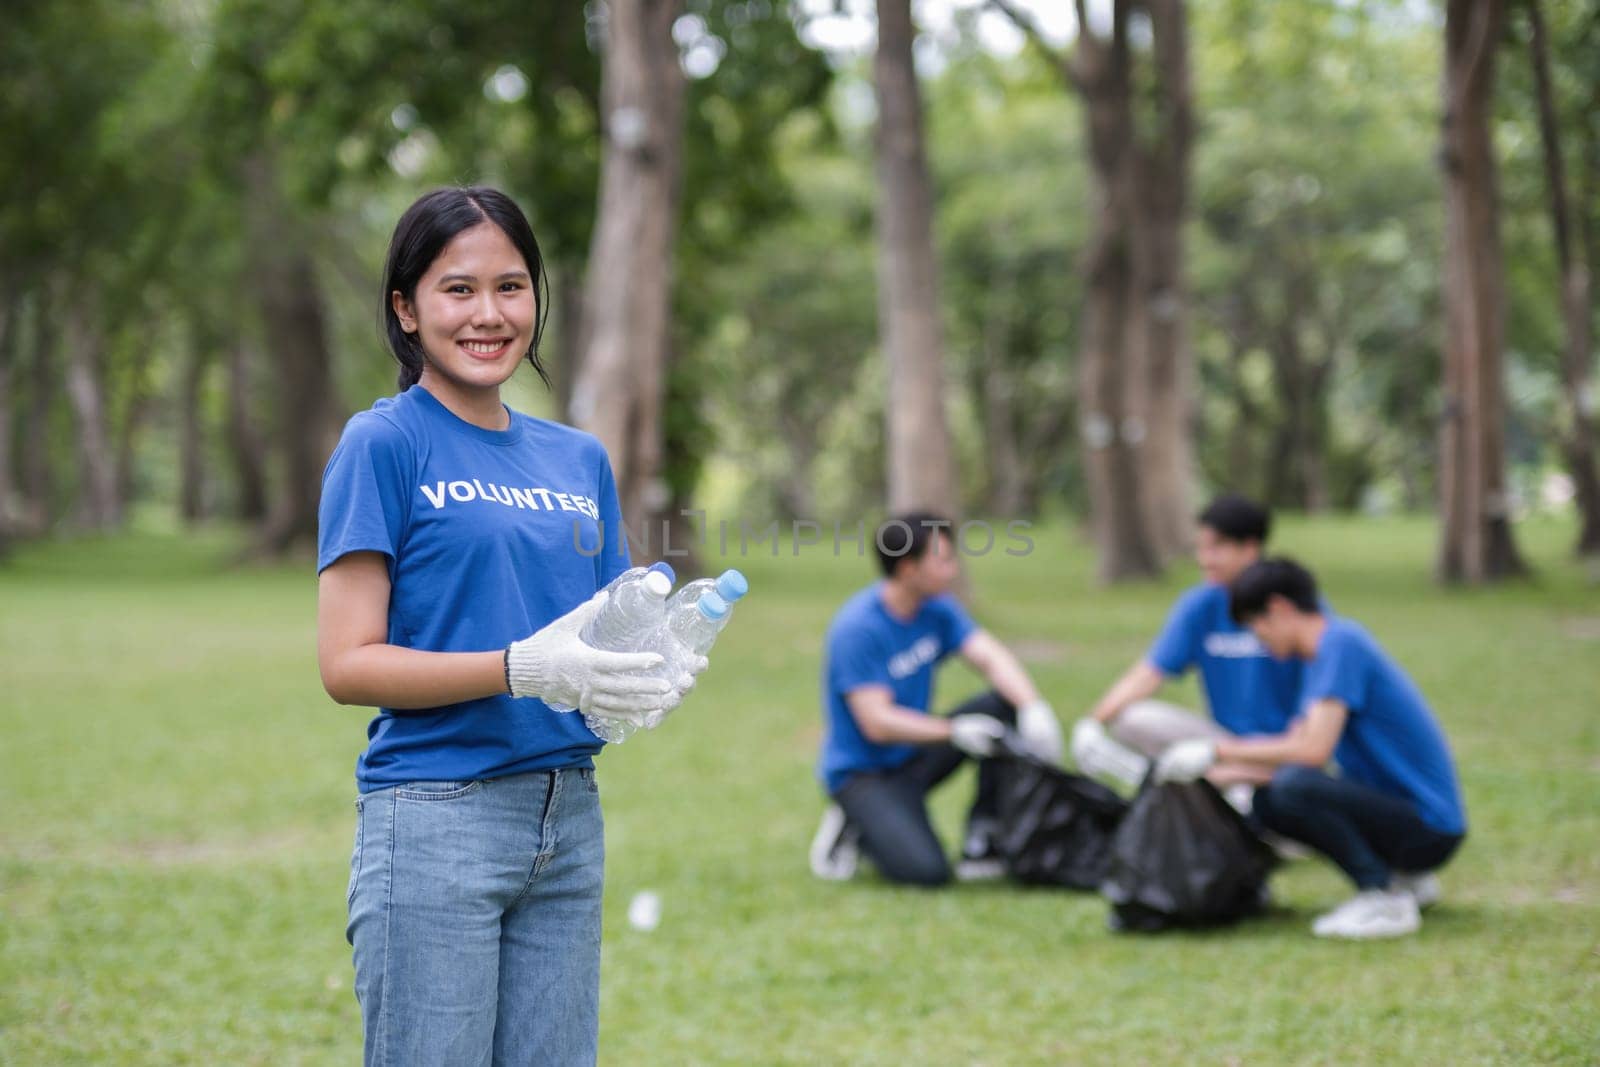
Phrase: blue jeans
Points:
(1367, 833)
(890, 807)
(475, 919)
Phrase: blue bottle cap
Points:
(731, 585)
(712, 606)
(665, 568)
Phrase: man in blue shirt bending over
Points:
(1247, 691)
(881, 749)
(1394, 815)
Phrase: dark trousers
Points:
(889, 808)
(1369, 834)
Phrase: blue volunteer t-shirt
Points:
(1247, 690)
(868, 646)
(489, 535)
(1391, 741)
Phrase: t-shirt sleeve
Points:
(1337, 672)
(615, 557)
(855, 660)
(954, 623)
(365, 502)
(1177, 647)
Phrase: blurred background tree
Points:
(199, 196)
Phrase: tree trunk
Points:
(10, 312)
(1572, 256)
(1167, 456)
(567, 325)
(245, 446)
(1476, 542)
(10, 308)
(38, 473)
(921, 471)
(135, 411)
(191, 433)
(293, 326)
(1111, 364)
(1135, 371)
(99, 503)
(618, 391)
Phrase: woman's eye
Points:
(458, 289)
(510, 287)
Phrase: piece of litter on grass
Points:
(644, 910)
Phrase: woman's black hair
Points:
(423, 232)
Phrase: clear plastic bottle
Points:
(631, 614)
(634, 573)
(691, 628)
(730, 585)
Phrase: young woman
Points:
(460, 548)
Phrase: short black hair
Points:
(1266, 578)
(908, 536)
(1237, 518)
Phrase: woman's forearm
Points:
(382, 675)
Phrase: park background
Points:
(1075, 266)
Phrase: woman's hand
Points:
(557, 667)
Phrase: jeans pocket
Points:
(586, 776)
(355, 856)
(435, 791)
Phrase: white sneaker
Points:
(836, 847)
(981, 859)
(1423, 887)
(1371, 913)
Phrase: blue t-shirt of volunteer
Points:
(488, 535)
(1391, 741)
(1247, 690)
(868, 646)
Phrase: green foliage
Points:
(178, 796)
(1316, 201)
(1319, 232)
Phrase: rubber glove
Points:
(1040, 730)
(975, 734)
(1184, 761)
(1096, 752)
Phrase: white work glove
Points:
(693, 667)
(1098, 754)
(1184, 761)
(976, 734)
(557, 667)
(1040, 730)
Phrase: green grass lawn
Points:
(177, 822)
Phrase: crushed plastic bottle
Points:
(632, 613)
(694, 618)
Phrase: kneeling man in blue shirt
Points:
(881, 749)
(1394, 815)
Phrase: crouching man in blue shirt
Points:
(881, 749)
(1395, 814)
(1247, 691)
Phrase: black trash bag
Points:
(1055, 827)
(1183, 857)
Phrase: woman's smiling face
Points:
(474, 313)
